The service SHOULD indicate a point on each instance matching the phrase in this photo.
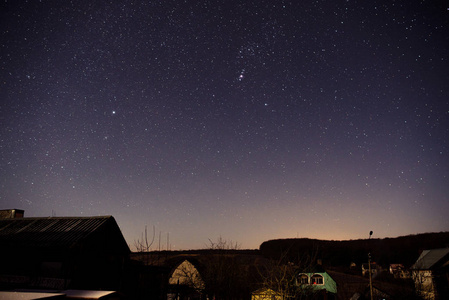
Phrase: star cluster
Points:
(246, 119)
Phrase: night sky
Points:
(249, 120)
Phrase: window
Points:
(317, 279)
(303, 279)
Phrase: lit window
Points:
(303, 279)
(317, 279)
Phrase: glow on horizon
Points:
(307, 119)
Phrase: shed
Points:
(62, 252)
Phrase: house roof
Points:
(88, 294)
(29, 295)
(349, 285)
(430, 258)
(396, 266)
(329, 283)
(25, 294)
(390, 290)
(60, 232)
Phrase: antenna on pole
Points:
(168, 241)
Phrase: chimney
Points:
(11, 213)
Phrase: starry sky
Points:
(249, 120)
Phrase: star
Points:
(143, 104)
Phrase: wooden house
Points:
(431, 274)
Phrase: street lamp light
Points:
(369, 269)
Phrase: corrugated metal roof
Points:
(87, 294)
(52, 231)
(429, 258)
(29, 296)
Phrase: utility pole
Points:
(369, 269)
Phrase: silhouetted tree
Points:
(282, 276)
(225, 277)
(144, 244)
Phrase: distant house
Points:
(319, 282)
(374, 269)
(352, 265)
(62, 253)
(398, 271)
(431, 274)
(266, 294)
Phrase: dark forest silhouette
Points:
(404, 249)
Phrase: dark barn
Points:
(62, 253)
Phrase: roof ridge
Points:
(64, 217)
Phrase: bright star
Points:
(242, 75)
